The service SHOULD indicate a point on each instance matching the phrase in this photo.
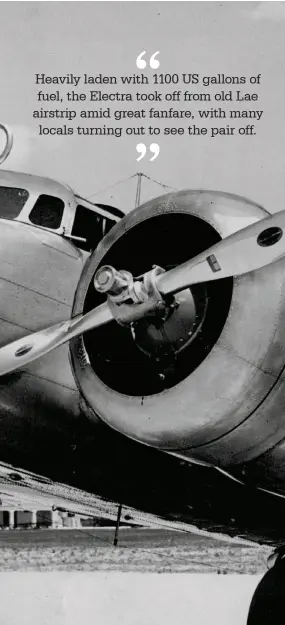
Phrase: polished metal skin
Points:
(220, 412)
(228, 412)
(39, 185)
(39, 272)
(130, 300)
(247, 250)
(21, 352)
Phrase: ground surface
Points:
(124, 599)
(139, 550)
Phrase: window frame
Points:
(80, 201)
(80, 240)
(71, 199)
(35, 190)
(24, 216)
(35, 207)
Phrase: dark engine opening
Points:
(166, 240)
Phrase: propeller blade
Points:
(27, 349)
(248, 249)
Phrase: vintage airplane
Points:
(152, 373)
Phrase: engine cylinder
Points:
(196, 382)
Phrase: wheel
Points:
(268, 603)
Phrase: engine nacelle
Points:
(207, 381)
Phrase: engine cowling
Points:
(206, 381)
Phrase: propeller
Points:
(19, 353)
(246, 250)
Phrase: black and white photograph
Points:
(142, 312)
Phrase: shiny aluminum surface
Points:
(218, 413)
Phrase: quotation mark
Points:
(153, 63)
(141, 148)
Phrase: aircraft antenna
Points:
(138, 192)
(111, 186)
(139, 186)
(139, 176)
(116, 537)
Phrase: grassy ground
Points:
(139, 550)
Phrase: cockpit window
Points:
(87, 225)
(47, 212)
(12, 201)
(109, 224)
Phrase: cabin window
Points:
(87, 225)
(47, 212)
(12, 201)
(109, 224)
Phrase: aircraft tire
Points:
(268, 603)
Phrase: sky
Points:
(234, 38)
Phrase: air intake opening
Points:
(155, 355)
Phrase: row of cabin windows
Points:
(47, 212)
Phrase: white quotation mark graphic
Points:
(153, 62)
(141, 149)
(153, 148)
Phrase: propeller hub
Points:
(109, 280)
(129, 299)
(163, 334)
(158, 339)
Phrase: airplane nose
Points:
(195, 378)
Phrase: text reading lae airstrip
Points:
(177, 104)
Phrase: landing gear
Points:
(268, 603)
